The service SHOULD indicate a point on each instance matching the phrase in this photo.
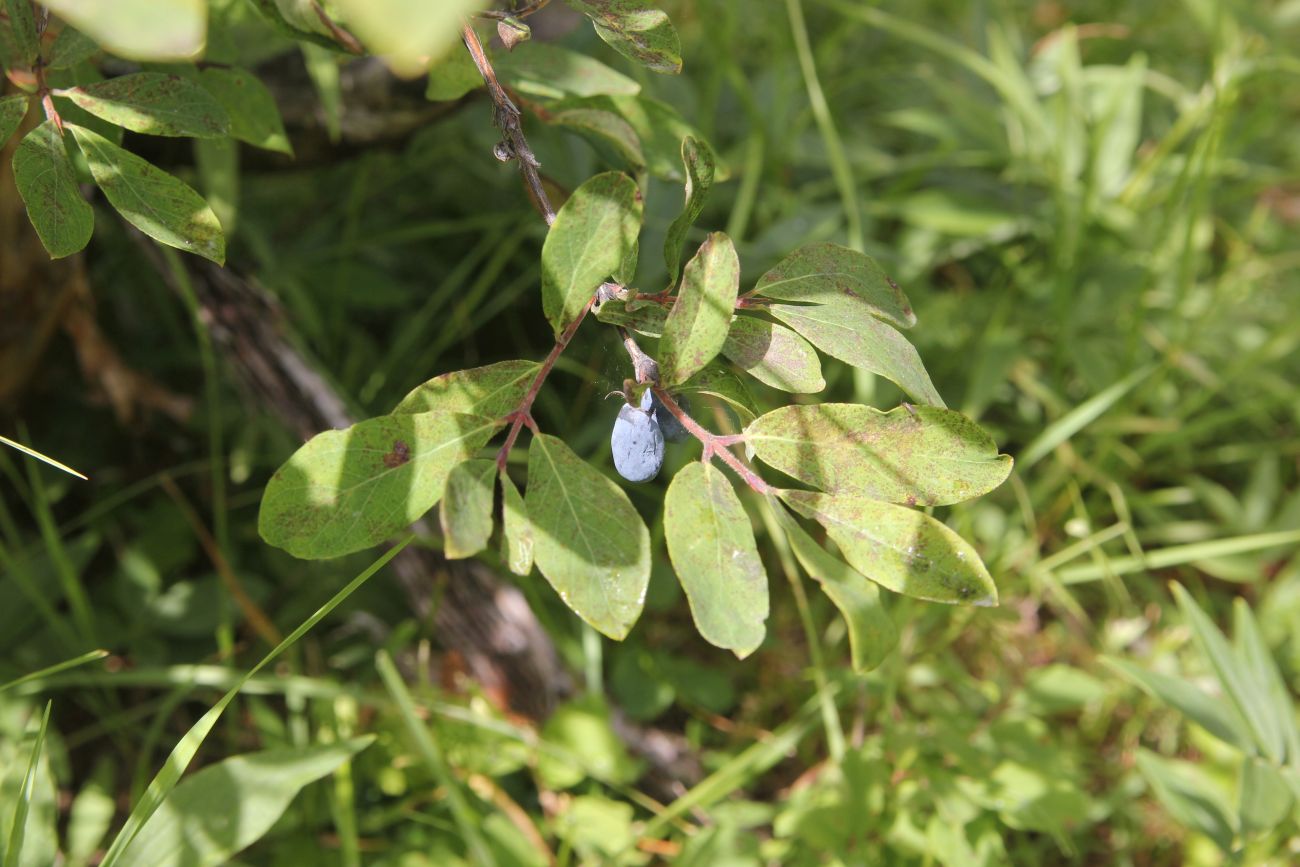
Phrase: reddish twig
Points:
(523, 414)
(714, 444)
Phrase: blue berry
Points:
(668, 423)
(637, 444)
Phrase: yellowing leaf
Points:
(588, 540)
(409, 34)
(712, 547)
(774, 355)
(465, 511)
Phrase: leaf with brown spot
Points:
(774, 355)
(491, 391)
(836, 276)
(153, 103)
(697, 325)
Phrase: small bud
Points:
(512, 31)
(503, 151)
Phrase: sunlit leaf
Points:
(409, 34)
(1215, 716)
(711, 543)
(346, 490)
(226, 807)
(698, 162)
(139, 29)
(547, 70)
(837, 277)
(774, 355)
(153, 103)
(697, 325)
(588, 540)
(872, 633)
(852, 334)
(47, 183)
(254, 116)
(1264, 800)
(920, 456)
(899, 548)
(593, 236)
(516, 529)
(490, 391)
(156, 203)
(647, 319)
(465, 511)
(637, 30)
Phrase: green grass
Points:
(1095, 220)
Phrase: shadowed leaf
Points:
(698, 162)
(12, 110)
(465, 511)
(712, 547)
(774, 355)
(547, 70)
(254, 116)
(921, 456)
(153, 103)
(43, 174)
(588, 540)
(899, 548)
(516, 529)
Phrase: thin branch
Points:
(508, 119)
(714, 445)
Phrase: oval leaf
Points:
(774, 355)
(588, 540)
(465, 511)
(850, 333)
(636, 30)
(872, 633)
(139, 29)
(156, 203)
(516, 529)
(837, 276)
(254, 116)
(594, 234)
(698, 323)
(22, 26)
(717, 381)
(899, 548)
(604, 129)
(697, 159)
(712, 547)
(648, 319)
(346, 490)
(920, 456)
(408, 33)
(547, 70)
(153, 103)
(491, 391)
(48, 186)
(224, 808)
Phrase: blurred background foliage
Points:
(1093, 208)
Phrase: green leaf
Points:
(254, 116)
(346, 490)
(216, 160)
(648, 320)
(547, 70)
(32, 806)
(774, 355)
(139, 29)
(588, 540)
(637, 30)
(1264, 800)
(697, 325)
(1192, 796)
(227, 806)
(853, 335)
(717, 381)
(920, 456)
(697, 160)
(22, 24)
(1238, 682)
(48, 186)
(91, 814)
(452, 76)
(408, 33)
(465, 511)
(1209, 713)
(491, 391)
(712, 547)
(899, 548)
(1252, 650)
(12, 110)
(872, 633)
(606, 130)
(594, 234)
(153, 103)
(836, 276)
(156, 203)
(70, 48)
(516, 529)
